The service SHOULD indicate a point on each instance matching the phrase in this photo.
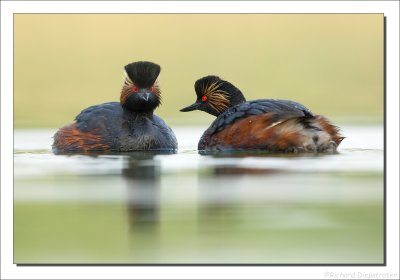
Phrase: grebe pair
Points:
(130, 125)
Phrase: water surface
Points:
(181, 208)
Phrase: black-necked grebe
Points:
(127, 125)
(266, 124)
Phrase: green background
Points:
(332, 63)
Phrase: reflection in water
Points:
(258, 153)
(236, 170)
(142, 174)
(141, 208)
(222, 188)
(218, 193)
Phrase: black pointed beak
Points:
(192, 107)
(144, 95)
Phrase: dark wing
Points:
(90, 131)
(281, 108)
(99, 117)
(169, 139)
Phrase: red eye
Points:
(203, 98)
(135, 89)
(152, 89)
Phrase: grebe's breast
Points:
(144, 132)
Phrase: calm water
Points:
(190, 208)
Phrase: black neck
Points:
(236, 98)
(147, 114)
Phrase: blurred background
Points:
(332, 63)
(187, 207)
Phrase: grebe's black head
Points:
(141, 90)
(215, 96)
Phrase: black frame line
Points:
(238, 264)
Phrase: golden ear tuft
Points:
(217, 98)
